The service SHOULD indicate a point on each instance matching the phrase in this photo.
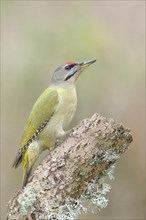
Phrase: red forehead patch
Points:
(69, 62)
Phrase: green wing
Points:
(42, 110)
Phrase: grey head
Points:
(70, 71)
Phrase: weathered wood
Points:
(73, 173)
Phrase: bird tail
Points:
(26, 173)
(27, 156)
(18, 159)
(27, 168)
(22, 157)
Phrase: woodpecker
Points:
(50, 116)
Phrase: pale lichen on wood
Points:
(73, 174)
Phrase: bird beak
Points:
(78, 69)
(86, 63)
(82, 66)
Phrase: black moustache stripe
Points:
(69, 76)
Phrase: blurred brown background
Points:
(38, 36)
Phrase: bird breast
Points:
(67, 105)
(64, 112)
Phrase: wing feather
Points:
(39, 116)
(42, 110)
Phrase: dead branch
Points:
(73, 173)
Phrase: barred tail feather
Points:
(18, 160)
(19, 156)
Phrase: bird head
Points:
(70, 71)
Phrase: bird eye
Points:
(69, 67)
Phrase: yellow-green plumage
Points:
(50, 116)
(41, 111)
(59, 100)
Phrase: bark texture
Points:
(73, 174)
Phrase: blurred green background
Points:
(38, 36)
